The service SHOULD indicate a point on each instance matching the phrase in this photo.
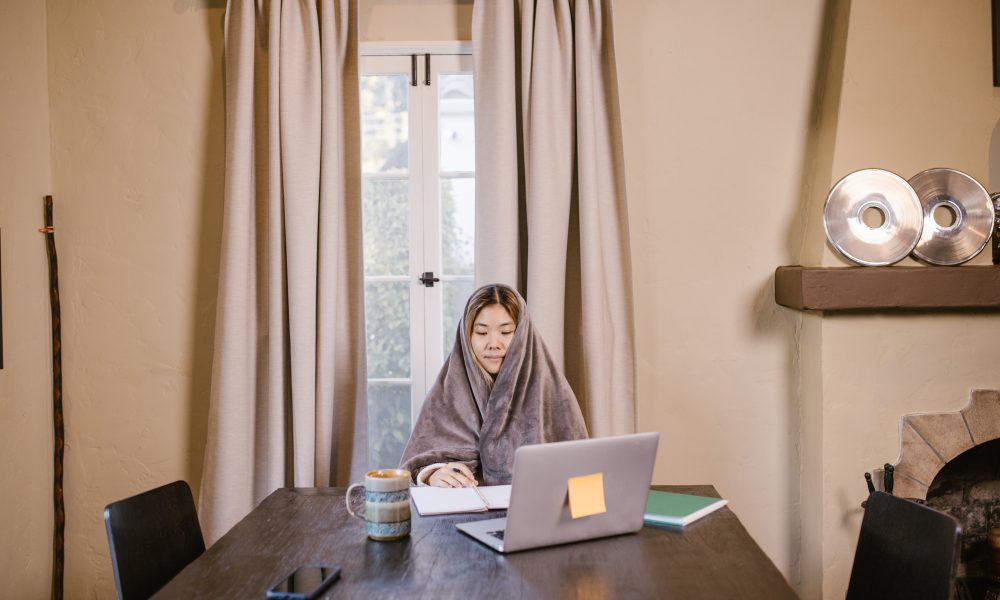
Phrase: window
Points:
(418, 197)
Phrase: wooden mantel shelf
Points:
(888, 288)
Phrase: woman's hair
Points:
(488, 296)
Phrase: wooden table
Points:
(712, 558)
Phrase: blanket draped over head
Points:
(463, 420)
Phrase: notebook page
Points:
(496, 496)
(441, 501)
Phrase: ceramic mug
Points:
(387, 503)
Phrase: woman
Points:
(498, 390)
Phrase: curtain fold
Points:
(551, 215)
(288, 403)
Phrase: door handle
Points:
(428, 279)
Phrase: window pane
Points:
(458, 226)
(386, 217)
(398, 197)
(457, 129)
(388, 423)
(384, 127)
(387, 324)
(454, 295)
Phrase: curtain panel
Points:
(288, 404)
(551, 215)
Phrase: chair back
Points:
(905, 550)
(152, 536)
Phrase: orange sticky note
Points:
(586, 495)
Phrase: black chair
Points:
(905, 550)
(152, 537)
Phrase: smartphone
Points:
(305, 583)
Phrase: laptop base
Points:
(488, 531)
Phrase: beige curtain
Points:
(288, 381)
(550, 190)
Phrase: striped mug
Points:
(387, 503)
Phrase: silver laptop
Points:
(539, 513)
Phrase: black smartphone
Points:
(305, 583)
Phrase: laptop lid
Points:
(539, 512)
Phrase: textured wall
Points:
(25, 391)
(137, 154)
(715, 114)
(917, 93)
(415, 20)
(784, 412)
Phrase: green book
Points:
(677, 510)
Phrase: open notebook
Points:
(443, 501)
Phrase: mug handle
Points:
(347, 500)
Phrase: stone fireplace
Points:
(951, 462)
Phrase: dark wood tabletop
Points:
(714, 557)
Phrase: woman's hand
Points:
(453, 474)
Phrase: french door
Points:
(418, 165)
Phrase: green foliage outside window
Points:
(386, 218)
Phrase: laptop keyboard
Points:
(498, 534)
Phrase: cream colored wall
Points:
(702, 92)
(137, 152)
(917, 94)
(716, 104)
(25, 388)
(414, 20)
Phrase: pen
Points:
(457, 470)
(486, 502)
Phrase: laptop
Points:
(539, 512)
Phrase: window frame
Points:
(425, 203)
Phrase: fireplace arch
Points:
(928, 441)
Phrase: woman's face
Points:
(492, 330)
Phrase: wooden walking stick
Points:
(59, 508)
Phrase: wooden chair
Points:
(152, 536)
(905, 550)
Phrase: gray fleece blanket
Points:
(462, 420)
